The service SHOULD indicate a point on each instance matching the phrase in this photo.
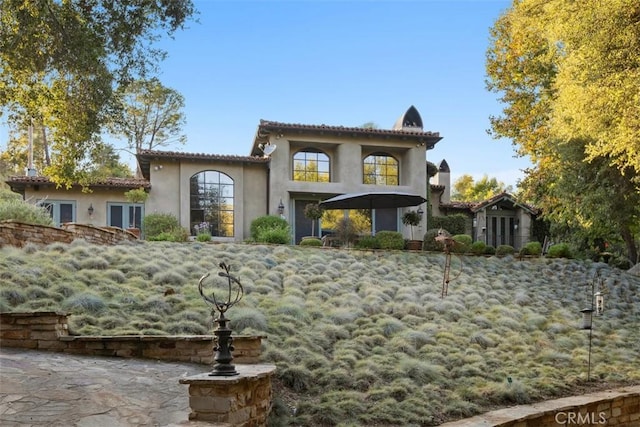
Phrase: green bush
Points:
(490, 250)
(279, 236)
(531, 248)
(454, 224)
(311, 242)
(389, 240)
(176, 235)
(560, 250)
(266, 222)
(479, 247)
(430, 243)
(159, 223)
(19, 210)
(203, 237)
(367, 242)
(505, 250)
(463, 243)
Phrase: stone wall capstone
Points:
(16, 233)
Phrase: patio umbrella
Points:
(373, 200)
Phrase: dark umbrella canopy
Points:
(373, 200)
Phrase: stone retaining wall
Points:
(50, 331)
(619, 407)
(15, 233)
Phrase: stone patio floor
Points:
(60, 389)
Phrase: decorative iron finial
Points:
(224, 347)
(222, 307)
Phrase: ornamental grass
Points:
(359, 337)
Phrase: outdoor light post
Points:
(597, 305)
(223, 347)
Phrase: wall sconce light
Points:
(516, 224)
(420, 211)
(281, 208)
(157, 167)
(475, 222)
(90, 209)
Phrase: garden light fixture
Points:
(223, 346)
(596, 300)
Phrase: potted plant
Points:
(412, 218)
(314, 212)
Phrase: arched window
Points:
(380, 169)
(211, 203)
(311, 165)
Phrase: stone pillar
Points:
(243, 400)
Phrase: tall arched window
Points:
(380, 169)
(311, 165)
(211, 203)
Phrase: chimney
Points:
(443, 177)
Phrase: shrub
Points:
(311, 242)
(367, 242)
(559, 250)
(463, 243)
(479, 247)
(505, 250)
(454, 224)
(278, 236)
(346, 231)
(389, 240)
(531, 248)
(159, 223)
(266, 222)
(490, 250)
(203, 237)
(20, 210)
(430, 243)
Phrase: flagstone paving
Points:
(59, 389)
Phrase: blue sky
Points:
(341, 63)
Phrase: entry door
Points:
(302, 223)
(501, 230)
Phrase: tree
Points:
(106, 163)
(568, 74)
(148, 115)
(60, 60)
(467, 190)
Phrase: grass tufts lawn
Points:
(360, 337)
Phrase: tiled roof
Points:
(199, 156)
(459, 205)
(146, 156)
(23, 180)
(503, 196)
(476, 206)
(267, 124)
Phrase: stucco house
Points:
(288, 166)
